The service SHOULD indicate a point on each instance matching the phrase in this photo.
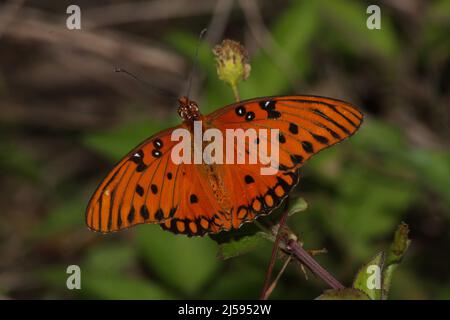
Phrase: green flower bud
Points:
(232, 63)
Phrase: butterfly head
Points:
(188, 109)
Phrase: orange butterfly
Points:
(146, 186)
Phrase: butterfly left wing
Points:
(306, 124)
(133, 191)
(146, 186)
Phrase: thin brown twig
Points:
(273, 257)
(37, 25)
(277, 278)
(132, 12)
(8, 12)
(216, 28)
(264, 38)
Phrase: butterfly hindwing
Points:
(197, 210)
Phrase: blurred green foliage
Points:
(357, 192)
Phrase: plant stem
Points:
(235, 92)
(276, 245)
(304, 257)
(277, 278)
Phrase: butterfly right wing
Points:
(306, 125)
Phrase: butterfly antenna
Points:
(194, 66)
(163, 91)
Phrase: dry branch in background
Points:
(146, 11)
(35, 25)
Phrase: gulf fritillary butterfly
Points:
(196, 199)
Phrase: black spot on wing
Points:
(157, 144)
(249, 179)
(156, 153)
(193, 198)
(130, 216)
(139, 190)
(293, 128)
(281, 138)
(323, 115)
(144, 212)
(320, 139)
(138, 158)
(159, 214)
(307, 146)
(240, 111)
(269, 107)
(250, 116)
(141, 167)
(296, 159)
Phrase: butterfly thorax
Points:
(188, 110)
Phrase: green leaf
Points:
(109, 259)
(343, 294)
(366, 275)
(233, 284)
(395, 255)
(18, 161)
(102, 286)
(436, 175)
(105, 276)
(241, 246)
(379, 136)
(348, 19)
(68, 215)
(365, 195)
(184, 263)
(375, 277)
(293, 31)
(298, 206)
